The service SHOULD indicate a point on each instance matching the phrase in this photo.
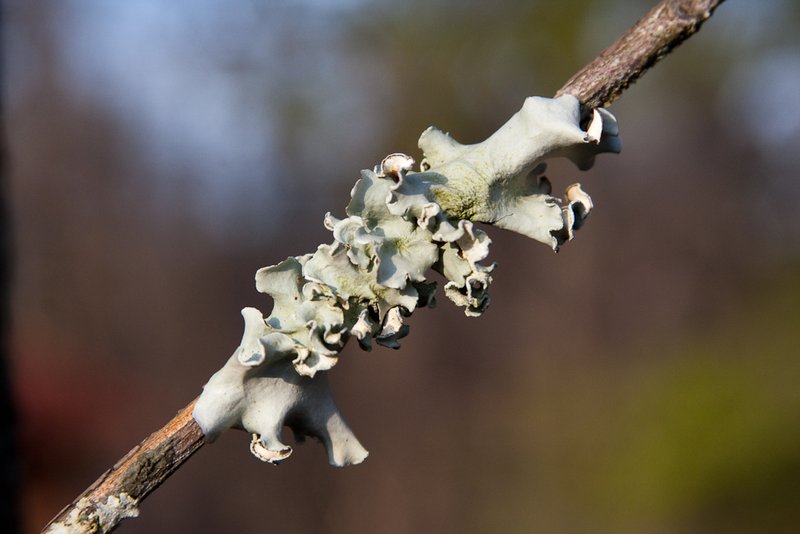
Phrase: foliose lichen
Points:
(399, 226)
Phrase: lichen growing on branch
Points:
(400, 225)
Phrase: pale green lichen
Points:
(400, 224)
(462, 204)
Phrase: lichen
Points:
(399, 225)
(90, 516)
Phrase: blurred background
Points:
(644, 379)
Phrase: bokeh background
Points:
(644, 379)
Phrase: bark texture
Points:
(667, 25)
(115, 495)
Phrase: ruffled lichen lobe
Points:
(399, 225)
(500, 181)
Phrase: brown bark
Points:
(140, 472)
(667, 25)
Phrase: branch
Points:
(116, 494)
(667, 25)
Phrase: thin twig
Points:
(667, 25)
(115, 495)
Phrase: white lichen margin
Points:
(89, 516)
(400, 224)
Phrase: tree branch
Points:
(116, 494)
(667, 25)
